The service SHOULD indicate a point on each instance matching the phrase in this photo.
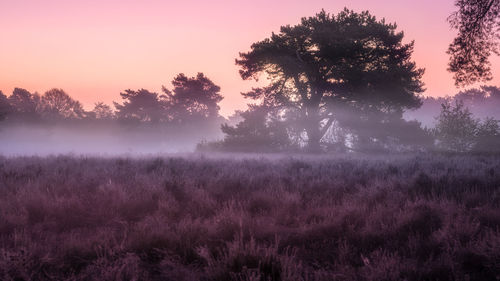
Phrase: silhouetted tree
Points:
(56, 104)
(25, 104)
(234, 118)
(374, 130)
(260, 130)
(193, 99)
(141, 105)
(478, 24)
(5, 107)
(349, 59)
(102, 111)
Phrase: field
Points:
(400, 217)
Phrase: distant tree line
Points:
(191, 100)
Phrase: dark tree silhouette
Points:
(56, 104)
(141, 105)
(25, 104)
(102, 111)
(376, 131)
(193, 98)
(477, 23)
(260, 130)
(5, 107)
(350, 59)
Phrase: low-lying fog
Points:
(64, 139)
(112, 138)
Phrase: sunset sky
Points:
(95, 49)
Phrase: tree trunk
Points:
(313, 131)
(313, 140)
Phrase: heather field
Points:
(201, 217)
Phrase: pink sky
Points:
(94, 49)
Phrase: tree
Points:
(102, 111)
(260, 130)
(141, 105)
(477, 23)
(483, 102)
(456, 129)
(56, 104)
(5, 107)
(375, 131)
(193, 98)
(24, 103)
(488, 137)
(349, 59)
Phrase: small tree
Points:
(456, 129)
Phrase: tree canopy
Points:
(477, 23)
(141, 105)
(24, 103)
(349, 59)
(193, 98)
(457, 130)
(257, 131)
(5, 107)
(55, 103)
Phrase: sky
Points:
(95, 49)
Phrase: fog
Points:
(187, 119)
(257, 130)
(484, 107)
(93, 139)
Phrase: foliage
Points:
(349, 59)
(56, 104)
(261, 130)
(375, 131)
(477, 23)
(141, 105)
(457, 130)
(103, 111)
(488, 137)
(193, 99)
(483, 102)
(25, 104)
(405, 217)
(5, 107)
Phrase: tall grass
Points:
(409, 217)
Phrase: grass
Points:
(405, 217)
